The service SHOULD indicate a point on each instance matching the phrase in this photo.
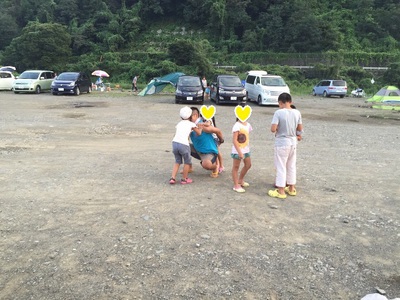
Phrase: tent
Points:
(157, 84)
(387, 97)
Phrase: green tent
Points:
(387, 97)
(157, 84)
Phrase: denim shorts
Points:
(181, 153)
(236, 156)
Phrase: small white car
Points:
(33, 81)
(6, 80)
(264, 88)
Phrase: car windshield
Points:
(273, 81)
(5, 75)
(189, 81)
(29, 75)
(339, 83)
(67, 76)
(230, 81)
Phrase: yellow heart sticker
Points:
(243, 113)
(207, 112)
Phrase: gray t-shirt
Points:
(287, 121)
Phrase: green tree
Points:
(66, 11)
(39, 46)
(8, 29)
(185, 52)
(392, 75)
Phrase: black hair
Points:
(213, 120)
(196, 109)
(285, 97)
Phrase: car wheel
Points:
(217, 100)
(54, 93)
(341, 96)
(259, 100)
(38, 89)
(325, 94)
(314, 93)
(15, 92)
(89, 90)
(247, 97)
(176, 101)
(77, 91)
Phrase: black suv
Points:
(228, 89)
(71, 83)
(189, 90)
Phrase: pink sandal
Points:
(186, 181)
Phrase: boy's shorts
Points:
(236, 156)
(181, 153)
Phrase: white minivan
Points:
(264, 88)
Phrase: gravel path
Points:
(86, 211)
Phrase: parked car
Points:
(33, 81)
(189, 90)
(6, 80)
(331, 87)
(227, 89)
(264, 88)
(71, 83)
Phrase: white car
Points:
(6, 80)
(33, 81)
(264, 88)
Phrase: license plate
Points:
(233, 98)
(61, 89)
(189, 98)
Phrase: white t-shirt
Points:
(287, 121)
(243, 138)
(183, 130)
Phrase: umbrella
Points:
(100, 73)
(8, 68)
(157, 84)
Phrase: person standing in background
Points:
(134, 83)
(206, 89)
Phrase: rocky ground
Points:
(86, 211)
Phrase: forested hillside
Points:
(156, 36)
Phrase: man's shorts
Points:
(202, 156)
(209, 156)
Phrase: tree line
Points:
(195, 34)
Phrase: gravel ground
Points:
(86, 211)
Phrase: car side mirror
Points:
(41, 78)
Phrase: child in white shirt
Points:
(180, 145)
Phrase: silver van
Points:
(330, 87)
(264, 88)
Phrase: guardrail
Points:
(303, 67)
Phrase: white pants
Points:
(285, 164)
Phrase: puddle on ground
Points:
(79, 104)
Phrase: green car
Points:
(33, 81)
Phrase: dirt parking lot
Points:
(86, 211)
